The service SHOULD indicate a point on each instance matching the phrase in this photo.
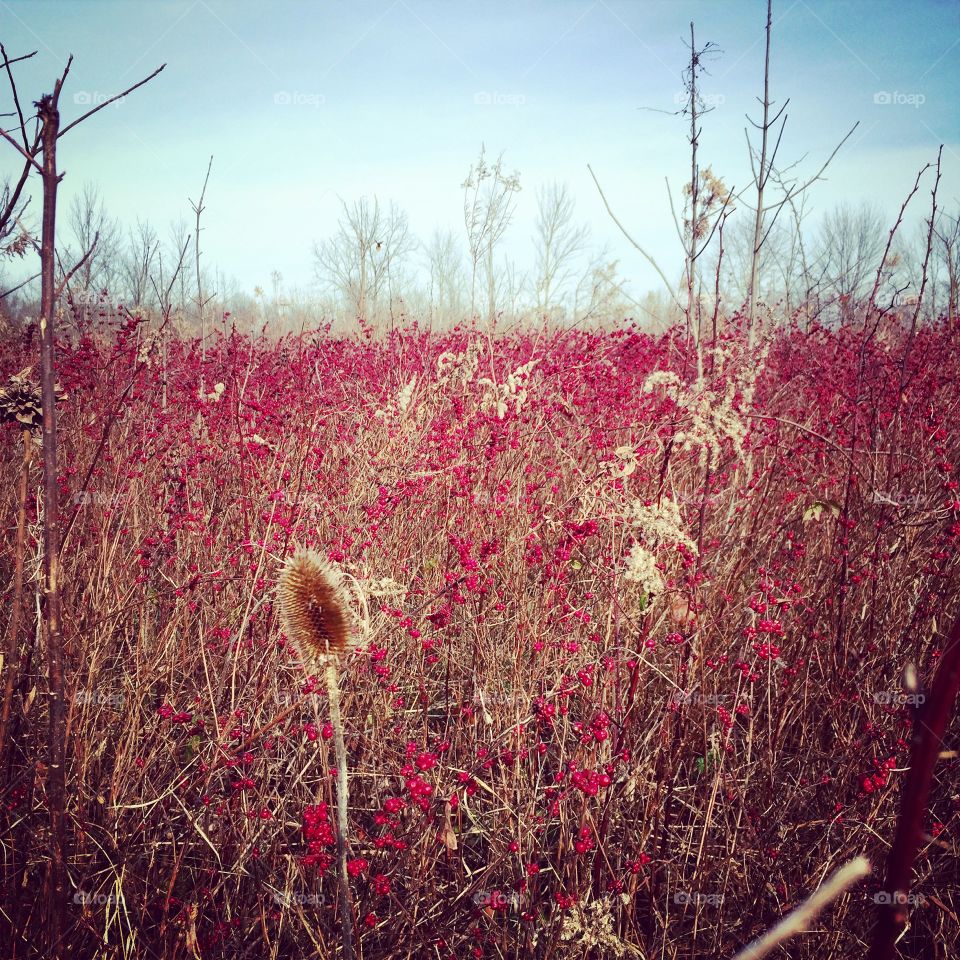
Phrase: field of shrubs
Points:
(632, 616)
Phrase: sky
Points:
(304, 104)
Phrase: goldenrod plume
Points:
(313, 605)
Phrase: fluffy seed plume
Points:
(313, 605)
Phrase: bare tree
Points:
(15, 238)
(93, 231)
(488, 206)
(179, 237)
(847, 251)
(599, 294)
(363, 260)
(13, 203)
(136, 263)
(558, 242)
(201, 302)
(510, 286)
(40, 154)
(946, 232)
(762, 163)
(444, 262)
(706, 198)
(779, 270)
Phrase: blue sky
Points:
(304, 102)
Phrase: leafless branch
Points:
(636, 245)
(16, 98)
(31, 161)
(6, 293)
(165, 299)
(798, 920)
(896, 226)
(106, 103)
(67, 276)
(7, 61)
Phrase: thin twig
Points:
(797, 920)
(640, 249)
(107, 103)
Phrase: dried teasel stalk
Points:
(318, 621)
(315, 610)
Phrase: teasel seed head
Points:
(314, 610)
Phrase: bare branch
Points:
(67, 276)
(6, 293)
(636, 245)
(31, 161)
(826, 164)
(673, 211)
(106, 103)
(58, 86)
(929, 723)
(7, 62)
(16, 98)
(165, 299)
(798, 920)
(895, 227)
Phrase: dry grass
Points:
(532, 737)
